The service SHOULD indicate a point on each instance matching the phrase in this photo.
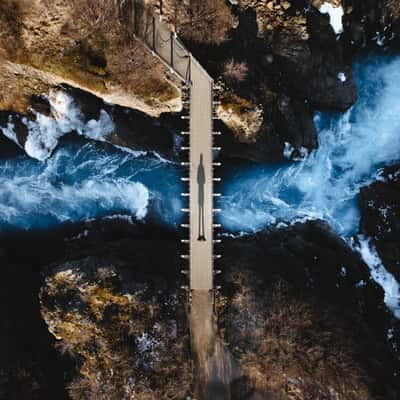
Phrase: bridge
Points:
(198, 146)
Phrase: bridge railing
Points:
(163, 42)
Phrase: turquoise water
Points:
(83, 180)
(76, 180)
(353, 147)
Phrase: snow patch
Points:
(342, 77)
(335, 16)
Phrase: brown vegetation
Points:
(285, 347)
(201, 21)
(90, 45)
(241, 116)
(235, 71)
(125, 344)
(393, 7)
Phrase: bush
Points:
(235, 71)
(201, 21)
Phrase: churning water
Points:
(71, 181)
(83, 180)
(67, 180)
(353, 147)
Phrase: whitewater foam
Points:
(84, 181)
(379, 273)
(65, 116)
(352, 149)
(9, 132)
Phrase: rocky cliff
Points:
(88, 45)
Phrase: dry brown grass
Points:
(241, 116)
(394, 8)
(284, 347)
(11, 16)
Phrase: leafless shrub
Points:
(99, 14)
(235, 71)
(101, 20)
(202, 21)
(277, 329)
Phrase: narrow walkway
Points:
(166, 46)
(201, 179)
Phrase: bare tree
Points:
(202, 21)
(101, 17)
(235, 71)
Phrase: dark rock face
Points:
(296, 68)
(289, 115)
(295, 118)
(8, 148)
(311, 68)
(298, 301)
(117, 260)
(29, 366)
(309, 255)
(380, 217)
(133, 129)
(296, 55)
(268, 146)
(372, 20)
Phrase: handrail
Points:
(164, 43)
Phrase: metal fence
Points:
(160, 40)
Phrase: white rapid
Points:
(84, 180)
(353, 147)
(379, 273)
(65, 116)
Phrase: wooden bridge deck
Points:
(201, 179)
(167, 47)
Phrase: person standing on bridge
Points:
(201, 180)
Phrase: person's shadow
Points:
(201, 180)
